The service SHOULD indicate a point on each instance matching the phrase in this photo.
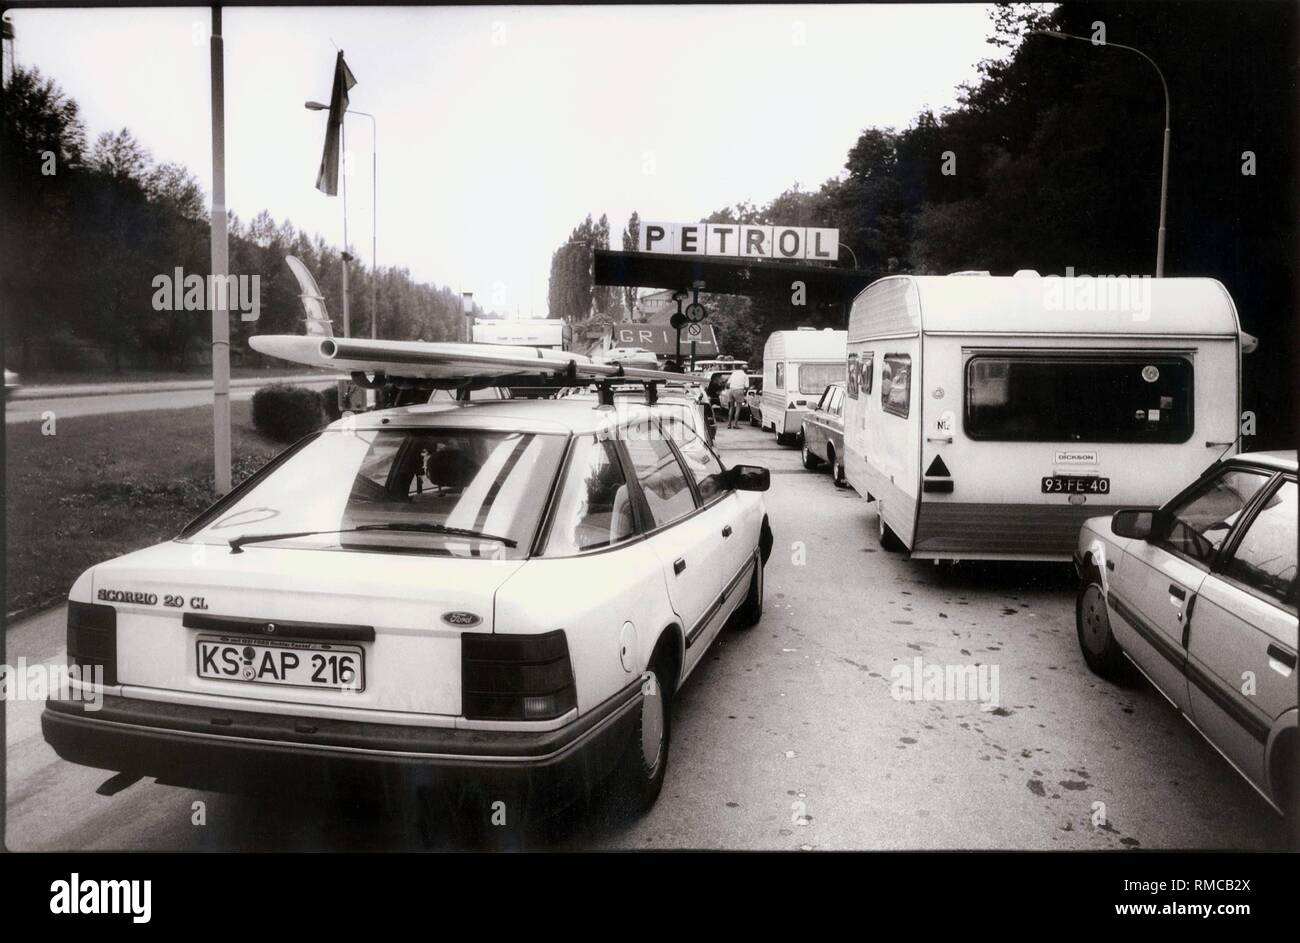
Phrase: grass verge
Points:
(106, 485)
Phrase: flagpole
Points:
(220, 261)
(343, 148)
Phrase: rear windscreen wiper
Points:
(237, 544)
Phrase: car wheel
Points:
(810, 461)
(644, 764)
(783, 438)
(837, 467)
(888, 539)
(1092, 621)
(751, 610)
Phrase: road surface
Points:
(101, 403)
(788, 736)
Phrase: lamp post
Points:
(1164, 162)
(852, 254)
(374, 216)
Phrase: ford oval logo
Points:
(461, 619)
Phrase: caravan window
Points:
(859, 375)
(1059, 398)
(815, 377)
(780, 376)
(896, 384)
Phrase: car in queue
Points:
(821, 434)
(502, 594)
(686, 405)
(1200, 595)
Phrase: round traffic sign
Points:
(694, 330)
(695, 312)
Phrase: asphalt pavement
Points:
(791, 734)
(102, 399)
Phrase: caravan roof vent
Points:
(806, 327)
(1026, 273)
(967, 272)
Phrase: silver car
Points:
(1200, 595)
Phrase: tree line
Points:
(1051, 160)
(88, 227)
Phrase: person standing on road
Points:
(737, 384)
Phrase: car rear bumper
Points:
(229, 750)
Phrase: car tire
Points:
(638, 780)
(888, 539)
(837, 467)
(783, 438)
(751, 610)
(1092, 625)
(810, 461)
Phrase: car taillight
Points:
(516, 677)
(92, 638)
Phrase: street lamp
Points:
(374, 212)
(1164, 162)
(851, 253)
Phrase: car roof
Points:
(1280, 460)
(573, 414)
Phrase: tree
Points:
(631, 235)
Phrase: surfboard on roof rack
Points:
(425, 365)
(445, 361)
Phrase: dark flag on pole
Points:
(327, 181)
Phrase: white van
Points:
(988, 417)
(797, 367)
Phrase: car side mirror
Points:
(748, 478)
(1137, 524)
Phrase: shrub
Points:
(286, 413)
(329, 402)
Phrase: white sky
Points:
(500, 128)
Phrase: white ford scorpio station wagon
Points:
(463, 594)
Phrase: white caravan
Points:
(797, 367)
(988, 417)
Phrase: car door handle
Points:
(1177, 591)
(1279, 654)
(678, 565)
(726, 531)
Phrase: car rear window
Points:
(490, 482)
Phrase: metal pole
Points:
(1164, 160)
(374, 219)
(343, 146)
(220, 261)
(374, 230)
